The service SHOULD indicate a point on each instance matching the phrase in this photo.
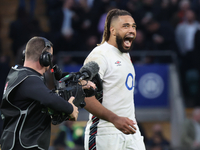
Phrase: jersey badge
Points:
(118, 63)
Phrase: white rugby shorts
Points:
(118, 141)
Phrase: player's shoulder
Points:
(103, 48)
(99, 53)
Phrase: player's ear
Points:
(112, 31)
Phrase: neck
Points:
(35, 65)
(112, 41)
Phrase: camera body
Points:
(66, 87)
(70, 85)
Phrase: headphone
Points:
(46, 57)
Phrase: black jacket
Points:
(24, 110)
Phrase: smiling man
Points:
(112, 124)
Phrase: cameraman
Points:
(26, 99)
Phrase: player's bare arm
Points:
(123, 124)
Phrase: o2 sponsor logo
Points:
(129, 81)
(151, 85)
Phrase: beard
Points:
(119, 41)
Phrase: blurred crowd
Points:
(77, 25)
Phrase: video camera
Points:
(70, 85)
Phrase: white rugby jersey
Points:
(118, 75)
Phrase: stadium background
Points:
(155, 19)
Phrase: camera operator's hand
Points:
(88, 84)
(74, 115)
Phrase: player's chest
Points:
(120, 67)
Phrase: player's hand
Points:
(125, 125)
(88, 84)
(74, 115)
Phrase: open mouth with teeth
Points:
(128, 41)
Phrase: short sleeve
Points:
(100, 60)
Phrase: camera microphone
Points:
(89, 70)
(67, 77)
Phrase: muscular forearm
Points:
(123, 124)
(98, 110)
